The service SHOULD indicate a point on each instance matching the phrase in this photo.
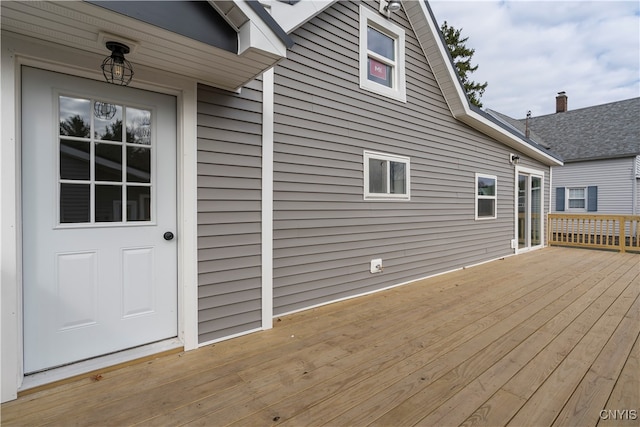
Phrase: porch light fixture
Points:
(388, 6)
(115, 68)
(514, 159)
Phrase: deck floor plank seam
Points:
(550, 337)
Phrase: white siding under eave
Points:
(613, 177)
(229, 211)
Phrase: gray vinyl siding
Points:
(614, 179)
(325, 234)
(229, 218)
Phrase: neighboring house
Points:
(600, 146)
(258, 164)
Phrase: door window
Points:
(105, 162)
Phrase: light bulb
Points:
(118, 69)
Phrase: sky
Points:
(528, 51)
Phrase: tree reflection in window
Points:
(114, 169)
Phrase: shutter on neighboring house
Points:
(592, 198)
(559, 199)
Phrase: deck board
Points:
(549, 337)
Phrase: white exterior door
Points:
(99, 215)
(530, 213)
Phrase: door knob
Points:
(168, 235)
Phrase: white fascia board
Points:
(255, 34)
(437, 55)
(491, 129)
(292, 16)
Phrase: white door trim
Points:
(17, 52)
(530, 172)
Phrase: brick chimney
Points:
(561, 102)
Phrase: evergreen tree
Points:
(75, 126)
(461, 55)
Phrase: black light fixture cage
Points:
(104, 110)
(115, 68)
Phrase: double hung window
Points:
(577, 199)
(486, 196)
(381, 55)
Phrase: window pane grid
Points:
(104, 166)
(486, 196)
(577, 198)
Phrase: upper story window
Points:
(486, 196)
(386, 177)
(381, 55)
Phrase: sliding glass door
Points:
(529, 219)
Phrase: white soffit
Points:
(82, 25)
(291, 16)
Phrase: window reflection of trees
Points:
(75, 126)
(109, 150)
(108, 156)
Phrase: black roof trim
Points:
(271, 23)
(515, 133)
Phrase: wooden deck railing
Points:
(617, 232)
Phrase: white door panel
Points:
(99, 192)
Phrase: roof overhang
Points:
(428, 34)
(85, 26)
(292, 14)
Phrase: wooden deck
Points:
(540, 339)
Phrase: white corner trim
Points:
(10, 297)
(188, 214)
(267, 197)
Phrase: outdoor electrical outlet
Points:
(376, 265)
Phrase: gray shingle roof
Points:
(603, 131)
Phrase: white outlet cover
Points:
(376, 265)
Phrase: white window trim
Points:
(373, 19)
(567, 192)
(388, 157)
(479, 197)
